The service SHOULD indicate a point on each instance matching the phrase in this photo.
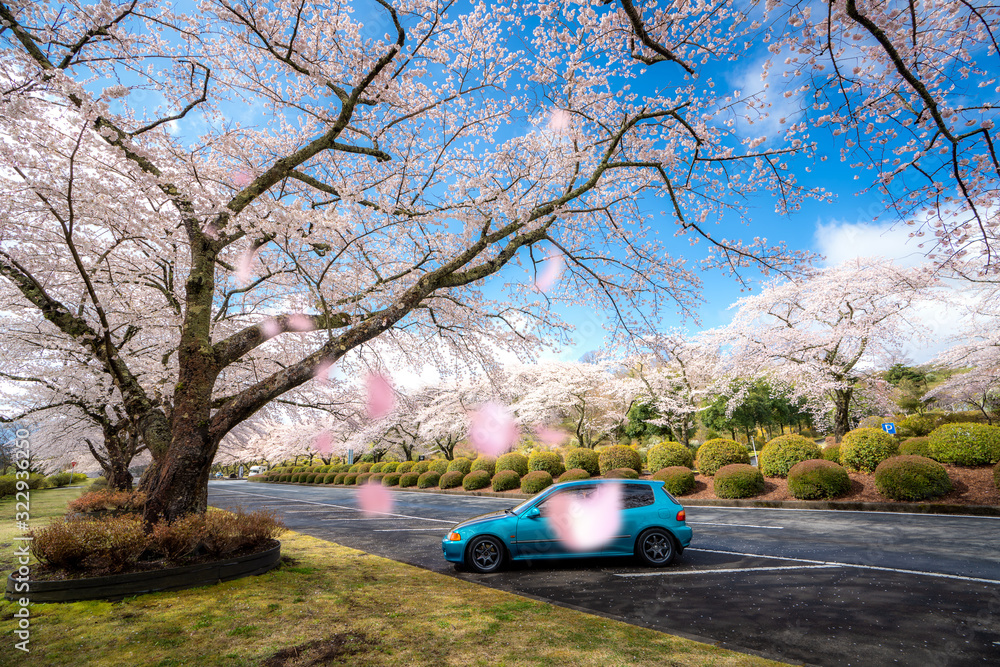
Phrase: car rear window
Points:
(637, 495)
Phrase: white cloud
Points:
(840, 241)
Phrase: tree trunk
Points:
(119, 477)
(842, 412)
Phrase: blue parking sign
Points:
(889, 428)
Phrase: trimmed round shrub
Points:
(409, 479)
(363, 477)
(331, 478)
(390, 466)
(513, 461)
(919, 446)
(505, 480)
(781, 453)
(574, 473)
(346, 467)
(477, 479)
(621, 473)
(391, 479)
(428, 479)
(460, 464)
(738, 480)
(619, 456)
(965, 444)
(535, 481)
(550, 462)
(864, 448)
(487, 464)
(451, 479)
(295, 477)
(323, 469)
(678, 480)
(365, 467)
(299, 469)
(440, 466)
(355, 468)
(284, 478)
(719, 452)
(376, 477)
(831, 453)
(405, 467)
(910, 477)
(584, 459)
(420, 467)
(376, 467)
(339, 478)
(818, 478)
(350, 478)
(669, 455)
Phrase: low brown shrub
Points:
(108, 500)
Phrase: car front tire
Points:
(656, 547)
(485, 555)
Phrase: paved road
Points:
(822, 588)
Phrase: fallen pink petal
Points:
(270, 328)
(559, 121)
(550, 436)
(244, 269)
(381, 398)
(587, 524)
(373, 498)
(300, 322)
(493, 429)
(322, 372)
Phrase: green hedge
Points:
(376, 478)
(376, 467)
(718, 452)
(487, 464)
(331, 478)
(550, 462)
(350, 478)
(409, 479)
(574, 474)
(619, 456)
(584, 459)
(390, 466)
(405, 467)
(339, 478)
(513, 461)
(831, 453)
(391, 479)
(535, 481)
(781, 453)
(678, 480)
(505, 480)
(622, 473)
(919, 446)
(420, 467)
(363, 477)
(738, 480)
(818, 478)
(475, 480)
(451, 479)
(460, 464)
(428, 479)
(910, 477)
(440, 466)
(965, 444)
(669, 455)
(864, 448)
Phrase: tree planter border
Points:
(118, 586)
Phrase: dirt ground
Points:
(972, 486)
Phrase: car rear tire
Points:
(485, 555)
(656, 547)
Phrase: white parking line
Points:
(343, 507)
(939, 575)
(736, 569)
(737, 525)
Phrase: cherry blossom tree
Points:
(248, 173)
(825, 335)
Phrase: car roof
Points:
(580, 482)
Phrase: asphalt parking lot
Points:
(802, 586)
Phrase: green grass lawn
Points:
(329, 605)
(45, 505)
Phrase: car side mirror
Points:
(533, 513)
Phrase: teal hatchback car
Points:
(652, 528)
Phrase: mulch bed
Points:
(972, 486)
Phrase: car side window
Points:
(637, 495)
(573, 493)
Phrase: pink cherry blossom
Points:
(381, 398)
(551, 271)
(323, 442)
(492, 429)
(373, 498)
(551, 437)
(242, 178)
(587, 524)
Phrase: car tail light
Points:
(681, 516)
(454, 537)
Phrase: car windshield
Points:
(525, 505)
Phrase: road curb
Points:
(910, 508)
